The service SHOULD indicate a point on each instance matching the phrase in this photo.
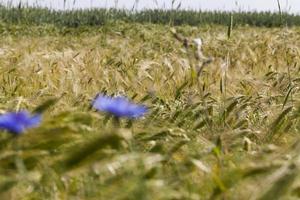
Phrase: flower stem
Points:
(116, 122)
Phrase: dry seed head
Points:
(224, 66)
(247, 144)
(198, 42)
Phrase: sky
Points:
(291, 6)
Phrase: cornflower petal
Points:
(119, 106)
(18, 122)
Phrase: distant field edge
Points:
(101, 16)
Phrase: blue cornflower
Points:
(18, 122)
(119, 106)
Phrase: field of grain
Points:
(223, 120)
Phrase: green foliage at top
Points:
(97, 17)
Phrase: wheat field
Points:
(223, 120)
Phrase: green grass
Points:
(99, 17)
(230, 131)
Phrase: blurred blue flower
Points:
(119, 106)
(18, 122)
